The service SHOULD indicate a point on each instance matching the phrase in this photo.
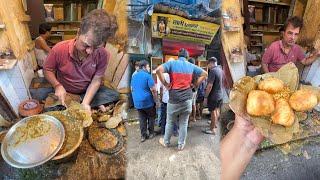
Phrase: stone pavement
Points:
(149, 160)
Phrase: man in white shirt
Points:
(164, 97)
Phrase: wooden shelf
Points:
(56, 35)
(65, 30)
(63, 22)
(266, 31)
(269, 2)
(257, 45)
(265, 23)
(259, 35)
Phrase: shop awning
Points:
(172, 47)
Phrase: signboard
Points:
(176, 27)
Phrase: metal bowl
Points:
(33, 152)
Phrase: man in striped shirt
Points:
(179, 106)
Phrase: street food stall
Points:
(40, 137)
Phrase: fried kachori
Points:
(260, 103)
(271, 85)
(303, 100)
(283, 115)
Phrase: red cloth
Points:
(275, 57)
(73, 75)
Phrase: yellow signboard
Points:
(176, 27)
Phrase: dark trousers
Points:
(163, 120)
(163, 117)
(146, 119)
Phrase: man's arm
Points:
(238, 147)
(265, 67)
(208, 89)
(160, 71)
(268, 57)
(43, 44)
(59, 90)
(202, 77)
(91, 91)
(154, 94)
(311, 59)
(161, 93)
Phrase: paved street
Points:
(149, 160)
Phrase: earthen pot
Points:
(30, 107)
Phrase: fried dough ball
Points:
(283, 115)
(260, 103)
(271, 85)
(303, 100)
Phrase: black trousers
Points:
(146, 119)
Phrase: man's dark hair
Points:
(281, 29)
(102, 25)
(136, 63)
(212, 60)
(143, 63)
(44, 27)
(192, 61)
(183, 53)
(295, 21)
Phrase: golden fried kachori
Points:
(271, 85)
(260, 103)
(303, 100)
(283, 115)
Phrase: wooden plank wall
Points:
(119, 62)
(311, 20)
(299, 7)
(13, 16)
(235, 39)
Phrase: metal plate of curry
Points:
(32, 141)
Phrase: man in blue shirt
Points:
(144, 96)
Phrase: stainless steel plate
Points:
(317, 107)
(35, 151)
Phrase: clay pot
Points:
(30, 107)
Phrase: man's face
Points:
(210, 65)
(290, 35)
(48, 34)
(85, 44)
(148, 67)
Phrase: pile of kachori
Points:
(273, 98)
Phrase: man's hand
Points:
(238, 147)
(61, 93)
(167, 85)
(87, 107)
(250, 133)
(317, 53)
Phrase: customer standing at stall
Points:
(180, 95)
(78, 65)
(194, 94)
(144, 94)
(213, 93)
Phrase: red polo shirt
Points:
(75, 76)
(275, 56)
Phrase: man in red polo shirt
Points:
(284, 51)
(77, 66)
